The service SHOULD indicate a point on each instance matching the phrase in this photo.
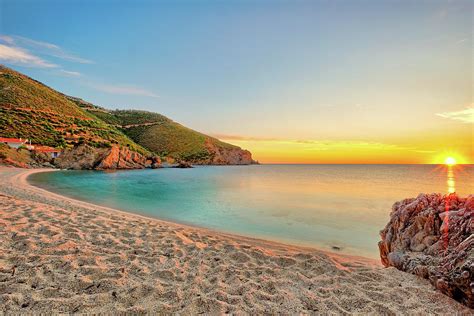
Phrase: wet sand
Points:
(62, 255)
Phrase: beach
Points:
(66, 256)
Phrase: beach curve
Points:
(64, 255)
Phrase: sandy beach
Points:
(66, 256)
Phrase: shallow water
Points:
(326, 206)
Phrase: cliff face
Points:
(116, 157)
(432, 236)
(121, 158)
(227, 155)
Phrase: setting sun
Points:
(450, 161)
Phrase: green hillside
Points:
(162, 135)
(30, 109)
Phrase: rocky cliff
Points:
(432, 236)
(227, 155)
(115, 157)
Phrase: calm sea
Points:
(325, 206)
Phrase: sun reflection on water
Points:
(450, 180)
(450, 173)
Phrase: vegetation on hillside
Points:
(20, 91)
(171, 139)
(135, 117)
(162, 135)
(31, 110)
(16, 157)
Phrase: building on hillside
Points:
(50, 151)
(13, 142)
(19, 142)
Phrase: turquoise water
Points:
(315, 205)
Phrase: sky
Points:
(292, 81)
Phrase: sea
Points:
(331, 207)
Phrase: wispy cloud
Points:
(462, 40)
(242, 138)
(317, 145)
(20, 56)
(424, 151)
(6, 39)
(465, 116)
(311, 145)
(46, 49)
(26, 52)
(124, 89)
(70, 73)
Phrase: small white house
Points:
(13, 142)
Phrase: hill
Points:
(167, 138)
(32, 110)
(88, 133)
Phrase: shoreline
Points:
(23, 181)
(64, 255)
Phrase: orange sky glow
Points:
(426, 147)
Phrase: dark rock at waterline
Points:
(153, 162)
(183, 165)
(432, 236)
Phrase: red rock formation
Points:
(432, 236)
(116, 157)
(14, 163)
(122, 158)
(227, 155)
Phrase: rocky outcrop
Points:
(153, 162)
(432, 236)
(183, 165)
(116, 157)
(122, 158)
(227, 155)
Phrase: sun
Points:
(450, 161)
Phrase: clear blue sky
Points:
(352, 71)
